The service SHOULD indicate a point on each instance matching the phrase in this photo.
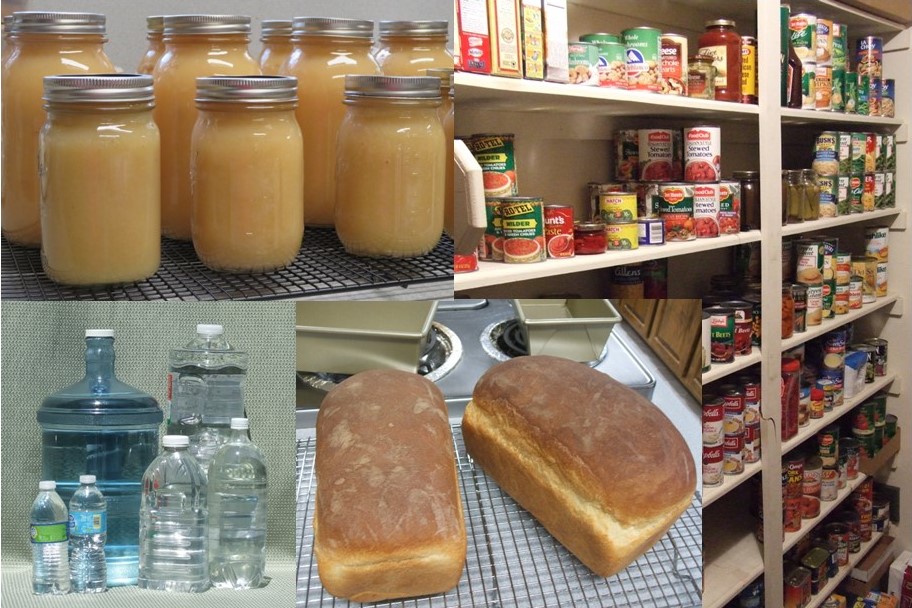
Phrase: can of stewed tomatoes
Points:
(523, 221)
(702, 154)
(656, 154)
(706, 210)
(559, 231)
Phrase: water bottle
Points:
(237, 512)
(173, 553)
(103, 427)
(50, 569)
(205, 390)
(87, 529)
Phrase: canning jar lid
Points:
(588, 226)
(206, 24)
(247, 89)
(333, 26)
(7, 22)
(98, 88)
(155, 24)
(720, 22)
(413, 28)
(275, 27)
(444, 74)
(54, 22)
(745, 174)
(398, 87)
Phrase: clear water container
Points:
(48, 528)
(103, 427)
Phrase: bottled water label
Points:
(49, 533)
(88, 522)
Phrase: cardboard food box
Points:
(506, 40)
(473, 42)
(557, 58)
(533, 40)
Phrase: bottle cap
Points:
(241, 424)
(175, 441)
(86, 479)
(99, 333)
(209, 330)
(44, 486)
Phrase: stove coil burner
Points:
(504, 340)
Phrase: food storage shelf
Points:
(792, 117)
(729, 483)
(806, 432)
(321, 267)
(826, 507)
(860, 22)
(513, 561)
(838, 321)
(720, 370)
(498, 273)
(840, 220)
(734, 556)
(854, 558)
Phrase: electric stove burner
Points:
(504, 340)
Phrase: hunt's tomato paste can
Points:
(559, 231)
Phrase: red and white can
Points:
(733, 454)
(712, 465)
(656, 159)
(752, 441)
(559, 231)
(713, 417)
(706, 211)
(702, 154)
(465, 263)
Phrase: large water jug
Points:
(173, 553)
(48, 526)
(103, 427)
(205, 390)
(237, 512)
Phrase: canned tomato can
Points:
(523, 221)
(495, 154)
(706, 210)
(863, 417)
(644, 70)
(827, 445)
(465, 263)
(491, 247)
(713, 419)
(656, 154)
(622, 236)
(559, 231)
(838, 533)
(733, 454)
(722, 334)
(850, 447)
(618, 207)
(743, 326)
(651, 231)
(676, 206)
(866, 445)
(879, 356)
(729, 207)
(702, 154)
(712, 465)
(674, 64)
(829, 483)
(628, 155)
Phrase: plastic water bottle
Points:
(173, 552)
(88, 529)
(50, 568)
(237, 512)
(206, 390)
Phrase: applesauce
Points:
(407, 48)
(326, 49)
(45, 43)
(275, 34)
(390, 174)
(154, 33)
(247, 178)
(446, 114)
(195, 45)
(99, 160)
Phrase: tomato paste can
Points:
(712, 465)
(713, 418)
(722, 334)
(733, 454)
(559, 231)
(706, 210)
(628, 154)
(622, 236)
(644, 70)
(656, 154)
(618, 207)
(702, 154)
(651, 231)
(491, 247)
(676, 206)
(496, 156)
(829, 483)
(673, 55)
(523, 223)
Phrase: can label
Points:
(674, 64)
(859, 147)
(622, 236)
(651, 231)
(644, 71)
(879, 360)
(888, 99)
(498, 163)
(872, 151)
(618, 207)
(823, 88)
(749, 90)
(559, 231)
(702, 154)
(675, 204)
(837, 90)
(713, 417)
(844, 151)
(656, 157)
(840, 45)
(722, 337)
(829, 484)
(712, 464)
(842, 195)
(492, 242)
(828, 195)
(612, 65)
(732, 454)
(523, 230)
(584, 61)
(889, 152)
(628, 154)
(867, 193)
(889, 192)
(851, 93)
(803, 32)
(752, 442)
(808, 85)
(465, 263)
(809, 256)
(856, 190)
(48, 533)
(706, 210)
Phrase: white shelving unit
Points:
(729, 483)
(721, 370)
(854, 558)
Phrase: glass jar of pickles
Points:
(701, 77)
(407, 48)
(796, 197)
(390, 173)
(247, 158)
(446, 115)
(45, 44)
(154, 31)
(99, 160)
(275, 34)
(811, 207)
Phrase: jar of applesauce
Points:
(275, 34)
(99, 161)
(7, 43)
(247, 179)
(45, 43)
(195, 45)
(325, 50)
(390, 174)
(446, 114)
(406, 48)
(154, 33)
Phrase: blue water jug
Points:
(103, 427)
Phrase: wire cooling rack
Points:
(513, 561)
(322, 267)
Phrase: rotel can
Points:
(523, 222)
(559, 231)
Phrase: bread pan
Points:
(573, 329)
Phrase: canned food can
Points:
(809, 260)
(622, 236)
(656, 154)
(879, 356)
(840, 45)
(813, 470)
(702, 154)
(889, 152)
(644, 71)
(465, 263)
(729, 207)
(618, 207)
(869, 289)
(733, 454)
(874, 97)
(584, 63)
(522, 220)
(856, 287)
(859, 149)
(838, 533)
(651, 231)
(844, 152)
(880, 201)
(829, 483)
(596, 190)
(842, 195)
(675, 203)
(867, 447)
(851, 92)
(887, 102)
(879, 157)
(559, 231)
(876, 242)
(797, 586)
(853, 522)
(712, 465)
(495, 153)
(491, 247)
(827, 195)
(752, 442)
(799, 295)
(889, 191)
(713, 419)
(627, 281)
(824, 51)
(706, 330)
(872, 150)
(815, 408)
(722, 334)
(808, 85)
(881, 289)
(843, 267)
(862, 106)
(867, 194)
(628, 154)
(706, 210)
(869, 56)
(674, 64)
(813, 313)
(890, 427)
(817, 561)
(841, 300)
(837, 90)
(749, 88)
(827, 445)
(826, 153)
(823, 88)
(803, 33)
(863, 417)
(655, 279)
(856, 190)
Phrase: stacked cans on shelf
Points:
(731, 428)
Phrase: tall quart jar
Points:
(325, 50)
(246, 173)
(406, 48)
(45, 44)
(154, 33)
(99, 165)
(390, 172)
(195, 46)
(275, 34)
(446, 114)
(723, 44)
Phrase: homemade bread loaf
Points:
(597, 464)
(388, 519)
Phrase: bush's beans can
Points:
(863, 417)
(618, 207)
(828, 195)
(702, 154)
(713, 418)
(712, 465)
(674, 64)
(523, 222)
(656, 154)
(879, 356)
(559, 231)
(722, 334)
(644, 70)
(651, 231)
(733, 402)
(492, 243)
(733, 454)
(628, 155)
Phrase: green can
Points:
(856, 189)
(888, 152)
(844, 151)
(851, 92)
(862, 106)
(859, 147)
(643, 51)
(809, 85)
(868, 449)
(523, 224)
(584, 61)
(890, 427)
(840, 35)
(878, 437)
(842, 195)
(879, 402)
(879, 158)
(837, 90)
(891, 192)
(863, 417)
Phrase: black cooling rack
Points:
(322, 267)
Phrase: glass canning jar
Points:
(796, 197)
(406, 48)
(44, 44)
(811, 207)
(246, 173)
(7, 43)
(195, 46)
(275, 34)
(154, 32)
(723, 43)
(446, 114)
(325, 50)
(390, 172)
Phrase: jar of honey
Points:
(325, 50)
(246, 173)
(154, 33)
(275, 34)
(406, 48)
(446, 114)
(390, 174)
(99, 161)
(45, 43)
(195, 46)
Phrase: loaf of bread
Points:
(388, 519)
(599, 466)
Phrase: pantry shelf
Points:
(841, 220)
(721, 370)
(838, 321)
(826, 507)
(793, 117)
(498, 273)
(806, 432)
(854, 558)
(729, 483)
(732, 556)
(860, 22)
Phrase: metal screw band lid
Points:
(52, 22)
(413, 28)
(722, 22)
(333, 26)
(445, 75)
(7, 23)
(275, 27)
(398, 87)
(98, 88)
(207, 24)
(247, 89)
(155, 24)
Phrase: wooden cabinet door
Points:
(639, 314)
(675, 333)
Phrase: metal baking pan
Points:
(573, 329)
(349, 337)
